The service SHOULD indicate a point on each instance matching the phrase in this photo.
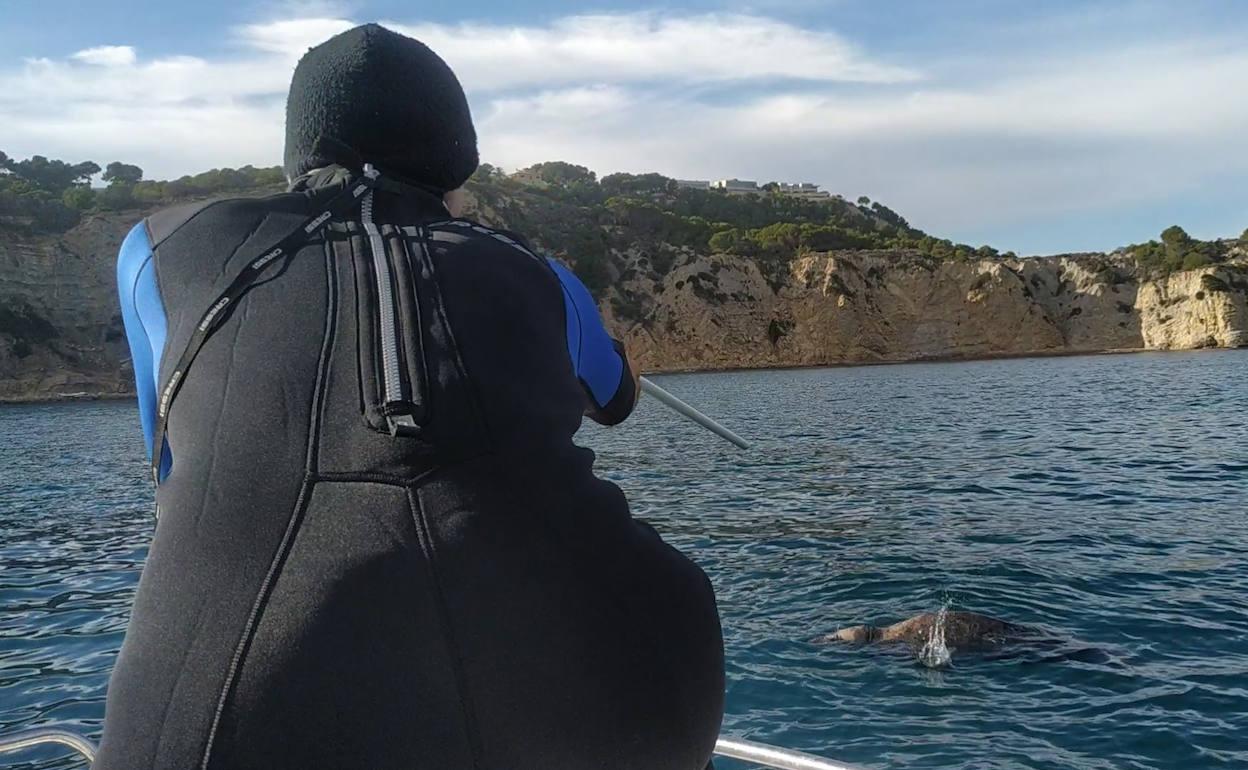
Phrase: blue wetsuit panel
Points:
(597, 362)
(143, 314)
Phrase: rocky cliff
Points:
(859, 307)
(61, 334)
(60, 325)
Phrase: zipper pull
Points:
(402, 425)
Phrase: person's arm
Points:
(610, 380)
(143, 314)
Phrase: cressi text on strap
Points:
(279, 253)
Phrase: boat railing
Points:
(759, 754)
(29, 739)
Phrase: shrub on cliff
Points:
(1177, 251)
(1195, 259)
(28, 208)
(118, 173)
(116, 197)
(647, 221)
(79, 198)
(41, 194)
(47, 195)
(638, 184)
(51, 176)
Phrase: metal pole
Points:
(676, 405)
(770, 756)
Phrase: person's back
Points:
(378, 545)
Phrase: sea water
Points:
(1100, 500)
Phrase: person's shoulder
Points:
(468, 233)
(217, 212)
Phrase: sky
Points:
(1037, 127)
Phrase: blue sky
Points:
(1033, 126)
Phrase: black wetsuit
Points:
(323, 593)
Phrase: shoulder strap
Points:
(279, 253)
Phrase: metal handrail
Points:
(733, 748)
(769, 756)
(31, 738)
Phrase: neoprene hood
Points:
(389, 98)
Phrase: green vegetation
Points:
(50, 196)
(597, 225)
(1178, 251)
(33, 191)
(778, 329)
(590, 223)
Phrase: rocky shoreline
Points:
(60, 398)
(61, 332)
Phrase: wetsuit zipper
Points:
(392, 383)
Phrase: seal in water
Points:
(962, 631)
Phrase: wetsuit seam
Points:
(257, 610)
(216, 426)
(251, 233)
(426, 381)
(160, 292)
(339, 477)
(357, 311)
(479, 229)
(194, 215)
(169, 701)
(210, 205)
(425, 539)
(580, 328)
(133, 293)
(132, 297)
(313, 457)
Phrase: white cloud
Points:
(103, 102)
(616, 48)
(1052, 133)
(1083, 134)
(650, 47)
(107, 55)
(290, 38)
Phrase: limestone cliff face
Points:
(859, 307)
(61, 333)
(1196, 309)
(60, 324)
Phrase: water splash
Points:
(935, 653)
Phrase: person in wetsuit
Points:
(377, 544)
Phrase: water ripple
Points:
(1098, 500)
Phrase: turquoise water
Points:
(1102, 500)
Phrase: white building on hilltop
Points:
(804, 190)
(737, 187)
(693, 184)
